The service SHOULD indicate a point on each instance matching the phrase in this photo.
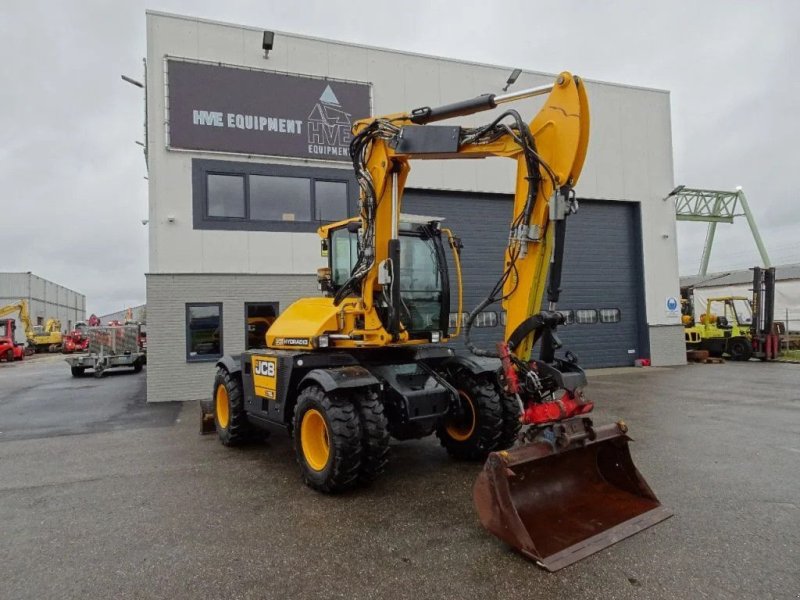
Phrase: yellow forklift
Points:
(738, 327)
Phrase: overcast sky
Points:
(73, 187)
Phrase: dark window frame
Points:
(311, 198)
(600, 318)
(274, 303)
(314, 183)
(204, 357)
(201, 168)
(593, 310)
(245, 188)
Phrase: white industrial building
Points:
(134, 313)
(247, 156)
(46, 300)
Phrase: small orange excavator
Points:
(346, 371)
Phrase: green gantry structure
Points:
(712, 207)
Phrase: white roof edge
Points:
(159, 13)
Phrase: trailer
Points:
(109, 347)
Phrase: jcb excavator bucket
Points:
(557, 506)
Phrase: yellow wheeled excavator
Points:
(364, 362)
(41, 338)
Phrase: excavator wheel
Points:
(327, 440)
(229, 415)
(475, 433)
(511, 423)
(740, 349)
(374, 436)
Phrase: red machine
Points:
(76, 340)
(10, 350)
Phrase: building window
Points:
(331, 200)
(203, 331)
(225, 196)
(258, 316)
(228, 195)
(610, 315)
(455, 318)
(569, 316)
(280, 198)
(585, 316)
(486, 319)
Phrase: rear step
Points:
(557, 506)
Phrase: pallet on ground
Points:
(703, 357)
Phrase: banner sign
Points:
(228, 109)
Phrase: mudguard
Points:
(232, 365)
(340, 378)
(477, 365)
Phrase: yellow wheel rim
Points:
(462, 429)
(221, 405)
(314, 440)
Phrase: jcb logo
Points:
(266, 368)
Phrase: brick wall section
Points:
(667, 345)
(169, 376)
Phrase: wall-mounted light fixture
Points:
(266, 43)
(132, 81)
(170, 219)
(512, 79)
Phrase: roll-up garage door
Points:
(602, 285)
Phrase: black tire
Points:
(232, 426)
(9, 354)
(77, 371)
(511, 423)
(374, 436)
(343, 436)
(739, 348)
(137, 366)
(473, 438)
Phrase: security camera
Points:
(267, 41)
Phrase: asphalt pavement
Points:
(103, 496)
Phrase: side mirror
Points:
(323, 248)
(325, 281)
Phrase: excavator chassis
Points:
(567, 496)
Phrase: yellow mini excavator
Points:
(364, 362)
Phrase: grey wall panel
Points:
(169, 375)
(603, 268)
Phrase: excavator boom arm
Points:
(20, 307)
(549, 152)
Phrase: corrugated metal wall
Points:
(45, 298)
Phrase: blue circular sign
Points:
(672, 303)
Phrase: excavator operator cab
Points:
(423, 274)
